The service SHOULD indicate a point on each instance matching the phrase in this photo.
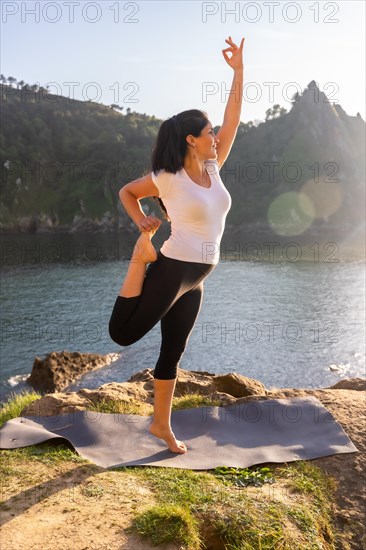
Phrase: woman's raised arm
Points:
(231, 121)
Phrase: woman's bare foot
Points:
(174, 444)
(144, 250)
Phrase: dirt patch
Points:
(82, 507)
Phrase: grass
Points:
(245, 476)
(239, 519)
(16, 403)
(168, 523)
(282, 506)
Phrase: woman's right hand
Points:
(149, 223)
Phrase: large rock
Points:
(350, 384)
(59, 369)
(238, 385)
(140, 389)
(67, 402)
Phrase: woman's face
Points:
(205, 144)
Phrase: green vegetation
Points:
(68, 157)
(16, 403)
(282, 517)
(168, 523)
(63, 157)
(245, 476)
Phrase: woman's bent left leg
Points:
(165, 282)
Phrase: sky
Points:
(164, 57)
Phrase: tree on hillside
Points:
(115, 106)
(11, 80)
(295, 98)
(275, 112)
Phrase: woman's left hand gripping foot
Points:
(144, 250)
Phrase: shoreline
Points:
(239, 244)
(65, 369)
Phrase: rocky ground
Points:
(345, 401)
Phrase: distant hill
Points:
(63, 162)
(316, 148)
(63, 158)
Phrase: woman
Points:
(185, 178)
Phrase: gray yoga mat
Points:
(239, 435)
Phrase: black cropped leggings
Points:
(172, 293)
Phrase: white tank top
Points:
(197, 214)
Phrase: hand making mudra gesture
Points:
(236, 60)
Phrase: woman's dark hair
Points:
(171, 145)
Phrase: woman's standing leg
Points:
(176, 327)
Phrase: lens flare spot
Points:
(291, 213)
(326, 196)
